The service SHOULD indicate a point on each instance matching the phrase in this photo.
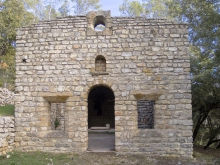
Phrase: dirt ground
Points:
(208, 151)
(201, 157)
(114, 159)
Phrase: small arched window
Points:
(99, 23)
(100, 64)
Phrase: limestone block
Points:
(175, 35)
(118, 113)
(189, 106)
(2, 121)
(126, 54)
(120, 107)
(79, 89)
(187, 122)
(50, 144)
(60, 88)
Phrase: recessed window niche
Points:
(145, 114)
(100, 64)
(58, 116)
(99, 23)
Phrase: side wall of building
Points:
(7, 135)
(145, 59)
(6, 97)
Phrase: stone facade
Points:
(7, 135)
(6, 97)
(65, 60)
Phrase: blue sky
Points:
(113, 5)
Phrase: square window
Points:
(145, 114)
(58, 116)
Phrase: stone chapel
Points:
(131, 76)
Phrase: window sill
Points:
(148, 95)
(99, 73)
(57, 134)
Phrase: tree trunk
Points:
(197, 127)
(211, 142)
(218, 146)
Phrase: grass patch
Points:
(35, 158)
(87, 158)
(7, 110)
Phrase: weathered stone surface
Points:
(56, 97)
(148, 95)
(6, 135)
(145, 59)
(6, 97)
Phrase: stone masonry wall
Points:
(6, 135)
(6, 97)
(146, 59)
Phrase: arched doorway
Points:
(101, 119)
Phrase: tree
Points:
(205, 89)
(64, 9)
(132, 9)
(12, 15)
(50, 11)
(148, 8)
(204, 34)
(203, 18)
(81, 7)
(214, 127)
(46, 9)
(158, 8)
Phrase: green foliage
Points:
(204, 34)
(81, 7)
(50, 13)
(35, 158)
(12, 15)
(49, 9)
(7, 110)
(205, 93)
(56, 123)
(148, 8)
(158, 8)
(132, 9)
(64, 9)
(8, 73)
(45, 158)
(203, 18)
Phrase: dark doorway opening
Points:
(101, 111)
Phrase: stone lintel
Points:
(55, 97)
(99, 128)
(99, 73)
(148, 95)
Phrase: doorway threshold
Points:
(101, 131)
(101, 142)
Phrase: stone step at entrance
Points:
(101, 142)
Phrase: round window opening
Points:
(99, 23)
